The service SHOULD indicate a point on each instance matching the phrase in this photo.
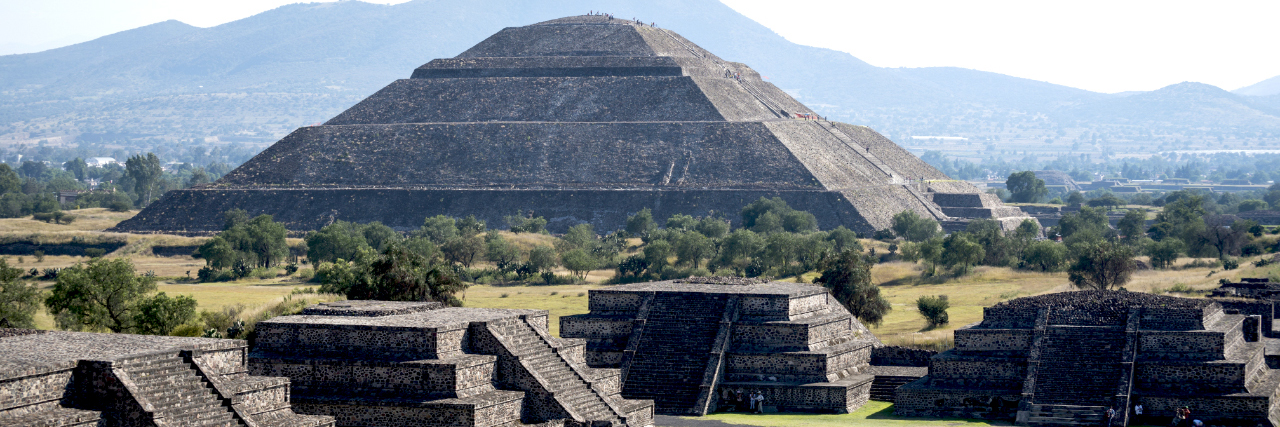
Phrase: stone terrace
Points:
(1063, 359)
(83, 379)
(386, 364)
(688, 343)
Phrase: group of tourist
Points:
(739, 402)
(1181, 417)
(610, 16)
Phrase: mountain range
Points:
(262, 76)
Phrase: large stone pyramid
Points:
(580, 119)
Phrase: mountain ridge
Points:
(329, 55)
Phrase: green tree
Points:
(78, 168)
(692, 247)
(219, 254)
(713, 228)
(1046, 255)
(145, 172)
(579, 262)
(160, 314)
(1183, 218)
(911, 226)
(198, 177)
(641, 224)
(1089, 221)
(998, 250)
(779, 250)
(340, 240)
(1165, 252)
(9, 181)
(681, 222)
(1109, 201)
(1252, 205)
(931, 252)
(656, 254)
(266, 240)
(470, 226)
(102, 294)
(438, 228)
(1132, 225)
(799, 222)
(19, 300)
(233, 218)
(543, 258)
(520, 224)
(767, 223)
(849, 278)
(1024, 187)
(1075, 198)
(1102, 266)
(959, 249)
(581, 236)
(379, 236)
(844, 239)
(464, 250)
(934, 309)
(500, 251)
(736, 247)
(403, 275)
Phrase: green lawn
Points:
(874, 413)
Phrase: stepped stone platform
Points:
(579, 119)
(1063, 359)
(388, 364)
(687, 344)
(90, 379)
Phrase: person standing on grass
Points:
(759, 402)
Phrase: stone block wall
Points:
(1012, 341)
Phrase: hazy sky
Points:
(1104, 46)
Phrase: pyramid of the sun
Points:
(580, 119)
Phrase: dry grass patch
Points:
(559, 300)
(95, 219)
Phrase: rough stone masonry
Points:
(1063, 359)
(579, 119)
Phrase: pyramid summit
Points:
(578, 119)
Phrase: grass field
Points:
(901, 283)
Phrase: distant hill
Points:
(1185, 102)
(1266, 87)
(260, 77)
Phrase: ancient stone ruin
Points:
(1063, 359)
(686, 344)
(389, 364)
(580, 119)
(89, 379)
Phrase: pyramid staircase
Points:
(1077, 375)
(674, 351)
(556, 374)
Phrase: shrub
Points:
(1230, 264)
(290, 269)
(94, 252)
(934, 309)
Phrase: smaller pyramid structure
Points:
(1065, 358)
(579, 119)
(692, 345)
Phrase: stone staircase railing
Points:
(715, 365)
(556, 375)
(168, 393)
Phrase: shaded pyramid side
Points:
(541, 155)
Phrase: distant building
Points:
(100, 161)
